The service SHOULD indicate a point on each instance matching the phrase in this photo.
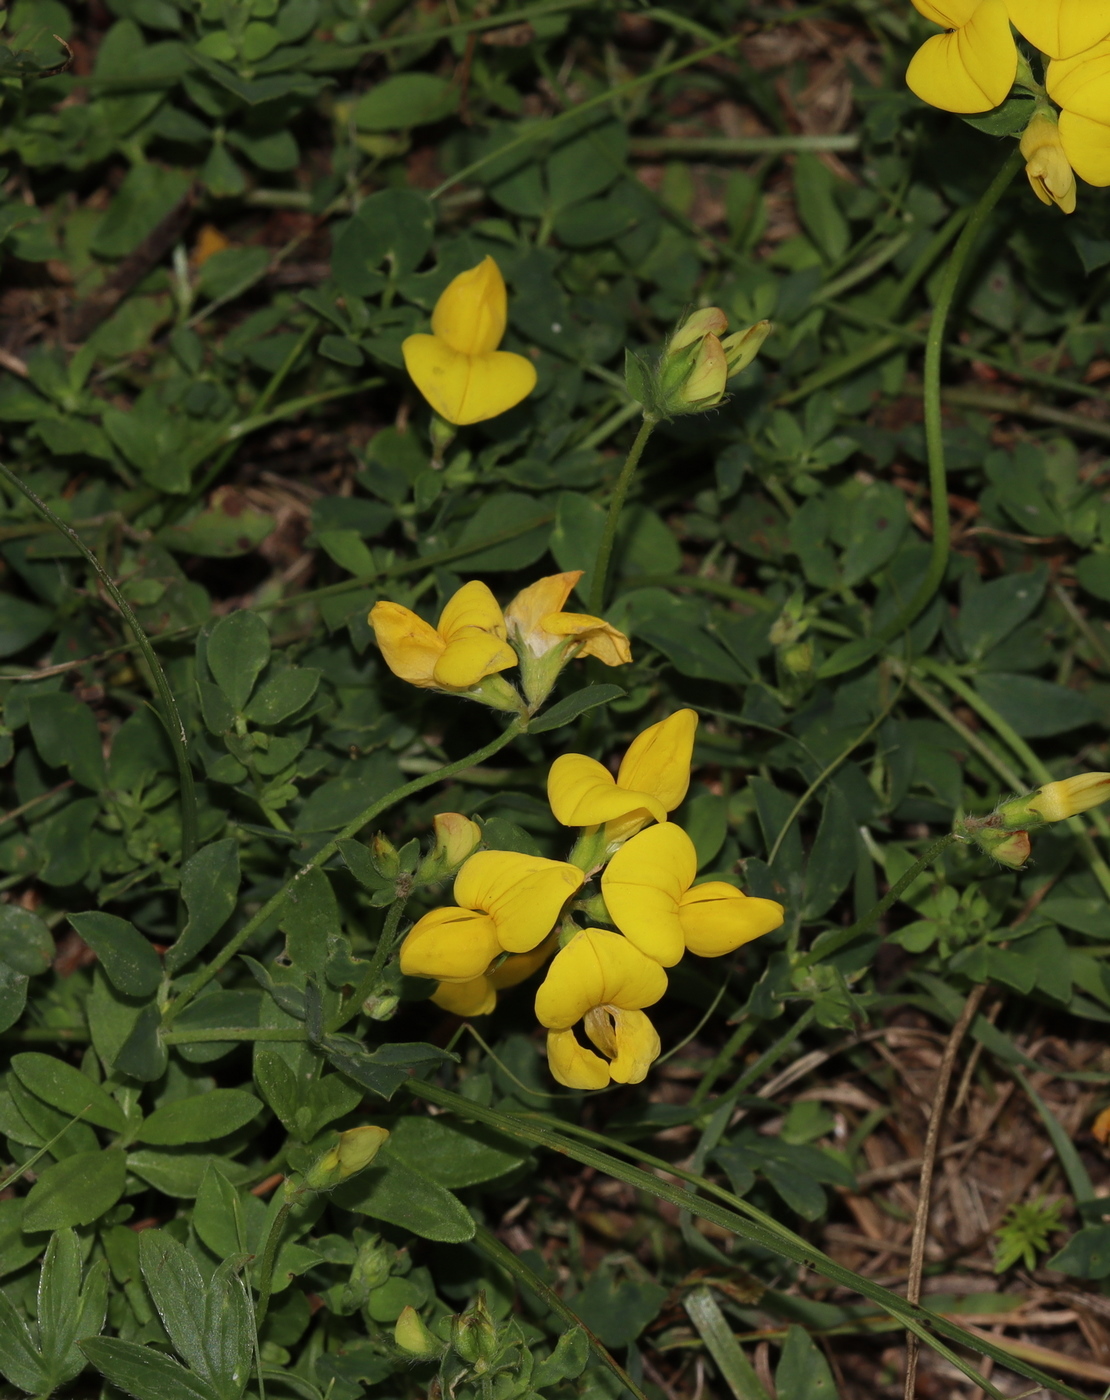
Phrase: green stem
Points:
(834, 939)
(350, 1007)
(494, 1250)
(266, 1268)
(212, 1035)
(171, 718)
(724, 1057)
(324, 854)
(934, 425)
(613, 519)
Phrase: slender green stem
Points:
(834, 939)
(613, 519)
(350, 1007)
(266, 1268)
(212, 1035)
(934, 425)
(494, 1250)
(324, 854)
(741, 145)
(171, 718)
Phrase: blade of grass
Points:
(736, 1370)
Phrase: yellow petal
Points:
(658, 760)
(470, 657)
(643, 886)
(451, 945)
(520, 967)
(717, 918)
(596, 636)
(1046, 166)
(971, 69)
(471, 606)
(628, 1039)
(1080, 84)
(1061, 28)
(409, 646)
(475, 998)
(949, 14)
(1067, 798)
(1087, 146)
(573, 1065)
(471, 312)
(467, 388)
(583, 793)
(710, 320)
(597, 968)
(523, 895)
(525, 614)
(456, 838)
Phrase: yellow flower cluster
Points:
(512, 911)
(474, 641)
(972, 66)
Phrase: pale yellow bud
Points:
(742, 347)
(1056, 801)
(705, 384)
(457, 837)
(412, 1336)
(1048, 168)
(356, 1149)
(710, 320)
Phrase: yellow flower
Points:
(466, 645)
(508, 904)
(478, 997)
(651, 781)
(650, 893)
(705, 384)
(1081, 87)
(1047, 166)
(1056, 801)
(458, 368)
(536, 620)
(971, 67)
(601, 979)
(1061, 28)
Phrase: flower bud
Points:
(456, 840)
(1056, 801)
(742, 347)
(1009, 848)
(372, 1267)
(710, 320)
(412, 1336)
(383, 855)
(704, 385)
(474, 1335)
(496, 692)
(1046, 166)
(696, 365)
(354, 1151)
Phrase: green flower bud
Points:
(354, 1151)
(412, 1336)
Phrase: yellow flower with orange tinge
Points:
(652, 780)
(546, 637)
(650, 894)
(600, 979)
(466, 645)
(458, 368)
(506, 902)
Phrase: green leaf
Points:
(568, 709)
(832, 859)
(201, 1118)
(25, 942)
(283, 695)
(148, 193)
(210, 889)
(19, 1356)
(76, 1190)
(406, 100)
(393, 224)
(506, 512)
(397, 1192)
(66, 1088)
(802, 1372)
(129, 961)
(311, 913)
(814, 183)
(994, 609)
(68, 1311)
(1036, 708)
(238, 649)
(386, 1068)
(454, 1154)
(178, 1289)
(566, 1362)
(66, 735)
(143, 1372)
(618, 1310)
(143, 1054)
(21, 623)
(180, 1173)
(227, 529)
(1086, 1254)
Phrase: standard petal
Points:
(583, 793)
(471, 606)
(629, 1040)
(1081, 85)
(470, 657)
(497, 382)
(471, 311)
(971, 69)
(717, 918)
(597, 968)
(525, 614)
(596, 636)
(1087, 146)
(643, 885)
(475, 998)
(658, 760)
(441, 374)
(573, 1065)
(409, 646)
(522, 894)
(1061, 28)
(451, 945)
